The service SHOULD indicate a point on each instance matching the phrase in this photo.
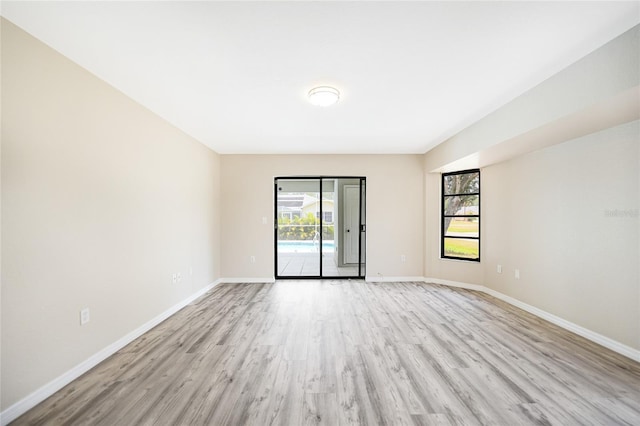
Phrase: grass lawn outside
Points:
(460, 247)
(461, 225)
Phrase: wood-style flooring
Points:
(346, 353)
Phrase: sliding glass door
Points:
(320, 228)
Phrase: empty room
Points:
(320, 212)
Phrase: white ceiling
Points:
(235, 75)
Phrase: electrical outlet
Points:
(499, 269)
(264, 220)
(403, 258)
(253, 259)
(175, 278)
(517, 274)
(179, 276)
(85, 316)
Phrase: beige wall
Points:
(1, 405)
(554, 161)
(395, 194)
(102, 202)
(567, 217)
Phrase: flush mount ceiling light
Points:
(323, 96)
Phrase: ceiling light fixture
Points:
(323, 96)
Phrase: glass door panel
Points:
(298, 227)
(349, 220)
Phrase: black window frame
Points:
(443, 231)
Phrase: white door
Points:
(351, 209)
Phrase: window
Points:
(461, 215)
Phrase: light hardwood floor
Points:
(348, 352)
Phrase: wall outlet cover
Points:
(85, 316)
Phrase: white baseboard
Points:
(605, 341)
(383, 279)
(36, 397)
(248, 280)
(449, 283)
